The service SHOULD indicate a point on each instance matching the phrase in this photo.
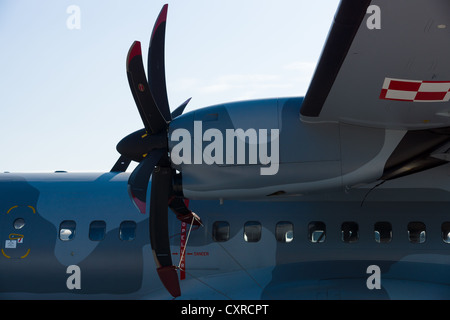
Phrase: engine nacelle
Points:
(261, 148)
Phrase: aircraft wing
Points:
(386, 63)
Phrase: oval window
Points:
(19, 223)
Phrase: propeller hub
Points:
(138, 144)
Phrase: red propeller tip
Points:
(169, 277)
(161, 18)
(135, 50)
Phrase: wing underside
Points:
(385, 64)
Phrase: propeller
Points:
(149, 147)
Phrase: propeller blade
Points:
(156, 65)
(184, 214)
(153, 121)
(159, 229)
(149, 146)
(121, 165)
(179, 111)
(139, 178)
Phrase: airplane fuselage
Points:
(311, 247)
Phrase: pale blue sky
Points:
(64, 96)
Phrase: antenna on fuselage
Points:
(368, 192)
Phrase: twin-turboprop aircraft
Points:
(341, 194)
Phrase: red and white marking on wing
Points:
(415, 90)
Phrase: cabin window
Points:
(416, 232)
(317, 232)
(349, 231)
(97, 230)
(252, 231)
(67, 230)
(383, 232)
(19, 223)
(446, 232)
(221, 231)
(284, 232)
(127, 230)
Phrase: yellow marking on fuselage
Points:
(11, 209)
(14, 207)
(24, 256)
(5, 254)
(15, 236)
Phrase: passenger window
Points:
(252, 231)
(127, 231)
(19, 223)
(446, 232)
(221, 231)
(97, 230)
(383, 232)
(284, 232)
(349, 232)
(417, 232)
(317, 232)
(67, 230)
